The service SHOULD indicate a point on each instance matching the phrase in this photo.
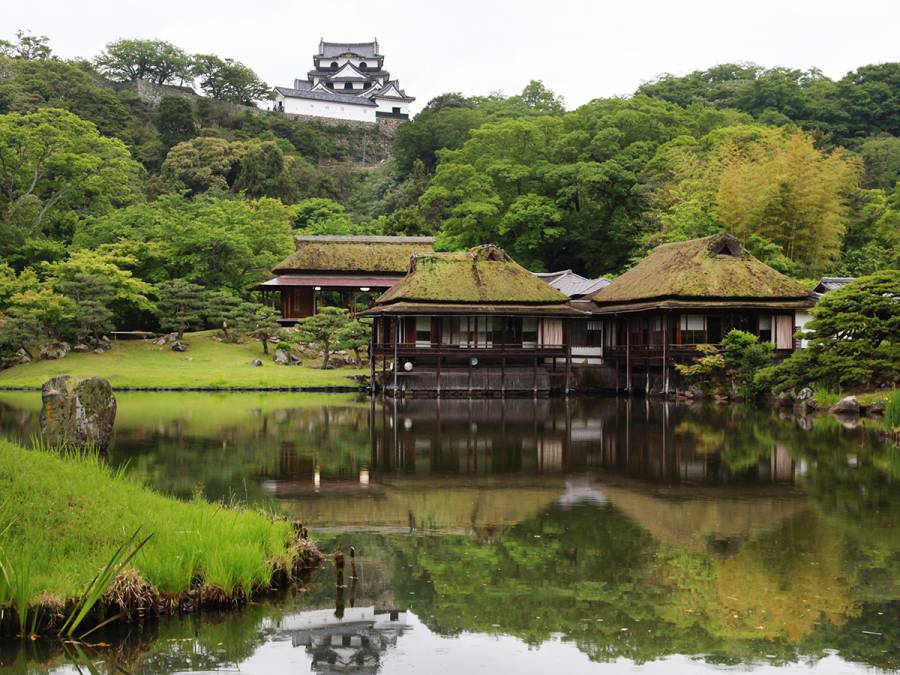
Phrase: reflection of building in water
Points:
(466, 437)
(353, 643)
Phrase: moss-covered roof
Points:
(484, 275)
(715, 267)
(380, 255)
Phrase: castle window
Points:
(362, 65)
(395, 111)
(348, 85)
(334, 65)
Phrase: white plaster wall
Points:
(371, 64)
(387, 105)
(801, 318)
(302, 106)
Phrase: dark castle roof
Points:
(320, 95)
(332, 49)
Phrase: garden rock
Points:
(804, 394)
(785, 399)
(179, 346)
(256, 363)
(80, 413)
(81, 348)
(875, 409)
(54, 350)
(20, 358)
(282, 358)
(848, 405)
(103, 346)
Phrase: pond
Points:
(578, 536)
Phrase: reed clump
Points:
(82, 545)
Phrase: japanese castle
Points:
(348, 82)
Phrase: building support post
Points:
(627, 357)
(568, 368)
(503, 376)
(437, 380)
(372, 359)
(665, 356)
(535, 378)
(396, 351)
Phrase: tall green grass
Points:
(67, 514)
(892, 410)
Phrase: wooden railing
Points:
(495, 349)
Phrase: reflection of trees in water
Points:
(591, 574)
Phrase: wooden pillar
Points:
(627, 357)
(665, 364)
(503, 376)
(437, 379)
(470, 375)
(396, 350)
(372, 358)
(535, 376)
(568, 367)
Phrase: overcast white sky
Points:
(580, 49)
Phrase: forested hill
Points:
(208, 189)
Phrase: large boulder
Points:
(54, 350)
(179, 346)
(78, 413)
(20, 358)
(282, 357)
(849, 405)
(256, 363)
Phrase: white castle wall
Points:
(314, 108)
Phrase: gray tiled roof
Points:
(573, 285)
(320, 95)
(330, 49)
(371, 74)
(396, 85)
(832, 283)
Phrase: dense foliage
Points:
(206, 190)
(853, 339)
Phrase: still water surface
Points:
(594, 535)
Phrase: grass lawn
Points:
(143, 365)
(829, 398)
(63, 516)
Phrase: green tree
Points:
(214, 242)
(36, 314)
(355, 335)
(228, 80)
(29, 85)
(179, 305)
(322, 216)
(745, 357)
(56, 169)
(203, 164)
(258, 321)
(324, 329)
(93, 296)
(174, 120)
(262, 171)
(157, 61)
(881, 159)
(853, 339)
(221, 309)
(27, 47)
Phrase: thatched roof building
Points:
(345, 265)
(714, 271)
(482, 280)
(357, 254)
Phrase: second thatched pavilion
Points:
(472, 323)
(689, 293)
